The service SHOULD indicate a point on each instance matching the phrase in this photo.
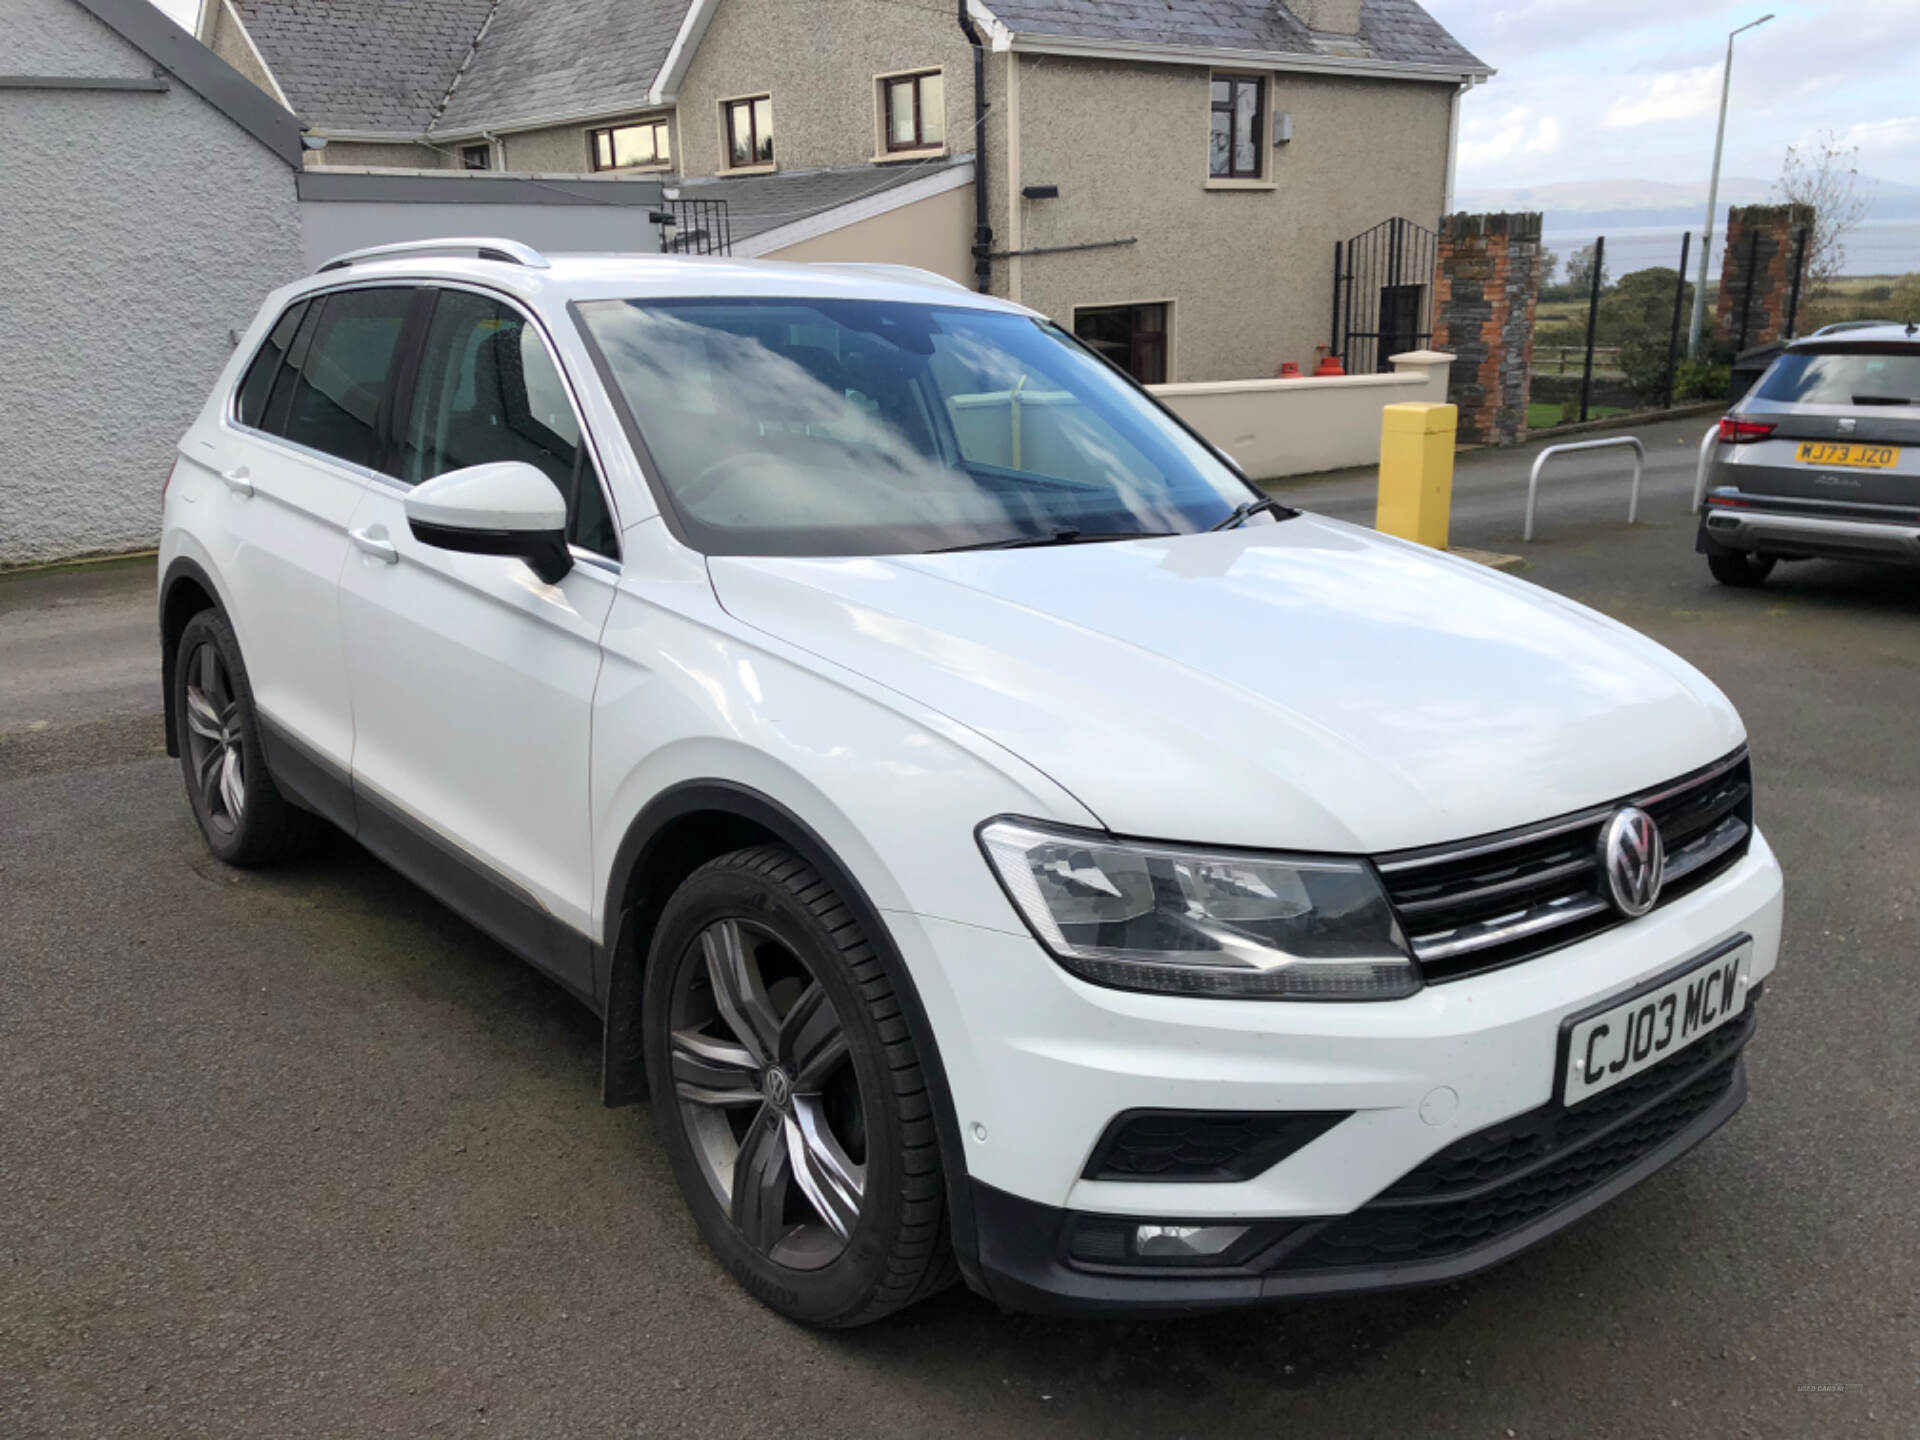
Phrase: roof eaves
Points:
(665, 89)
(142, 25)
(1150, 52)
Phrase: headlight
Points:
(1190, 922)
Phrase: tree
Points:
(1549, 264)
(1822, 173)
(1580, 272)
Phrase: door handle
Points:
(239, 480)
(374, 542)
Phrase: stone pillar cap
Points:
(1423, 357)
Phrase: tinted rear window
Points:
(343, 379)
(251, 405)
(1858, 376)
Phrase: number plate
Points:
(1616, 1043)
(1861, 457)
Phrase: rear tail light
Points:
(1735, 431)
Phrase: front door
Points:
(473, 679)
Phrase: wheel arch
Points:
(678, 831)
(185, 590)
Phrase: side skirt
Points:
(487, 900)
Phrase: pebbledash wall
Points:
(141, 227)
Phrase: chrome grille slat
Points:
(1497, 899)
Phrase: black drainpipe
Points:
(982, 231)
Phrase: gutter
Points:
(1150, 52)
(982, 230)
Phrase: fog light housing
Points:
(1185, 1242)
(1121, 1242)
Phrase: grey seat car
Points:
(1820, 458)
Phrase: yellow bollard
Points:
(1416, 472)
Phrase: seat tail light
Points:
(1735, 431)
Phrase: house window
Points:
(624, 147)
(749, 131)
(914, 111)
(1134, 337)
(1239, 110)
(476, 157)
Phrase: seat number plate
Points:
(1619, 1042)
(1861, 457)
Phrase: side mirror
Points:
(506, 508)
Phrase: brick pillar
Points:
(1487, 286)
(1778, 230)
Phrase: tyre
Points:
(245, 819)
(1737, 567)
(789, 1096)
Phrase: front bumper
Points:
(1479, 1202)
(1040, 1064)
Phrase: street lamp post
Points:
(1713, 196)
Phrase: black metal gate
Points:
(694, 227)
(1383, 294)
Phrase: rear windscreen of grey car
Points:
(1844, 375)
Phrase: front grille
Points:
(1479, 904)
(1506, 1177)
(1203, 1145)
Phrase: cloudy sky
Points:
(1628, 89)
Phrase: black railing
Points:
(1383, 294)
(694, 227)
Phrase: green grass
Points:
(1545, 417)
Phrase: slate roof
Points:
(759, 203)
(373, 65)
(1397, 31)
(542, 59)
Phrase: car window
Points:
(250, 404)
(1852, 376)
(335, 404)
(489, 390)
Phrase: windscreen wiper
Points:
(1882, 400)
(1243, 513)
(1058, 537)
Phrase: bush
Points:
(1708, 378)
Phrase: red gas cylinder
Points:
(1289, 370)
(1329, 363)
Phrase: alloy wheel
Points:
(768, 1094)
(213, 740)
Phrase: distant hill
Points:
(1602, 203)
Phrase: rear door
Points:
(1846, 426)
(294, 458)
(472, 679)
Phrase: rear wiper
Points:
(1882, 400)
(1243, 513)
(1058, 537)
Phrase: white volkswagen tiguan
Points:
(1000, 842)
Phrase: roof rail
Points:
(508, 252)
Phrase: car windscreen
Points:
(1844, 375)
(851, 427)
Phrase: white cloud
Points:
(1676, 95)
(1517, 132)
(1894, 135)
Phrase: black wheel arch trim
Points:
(183, 568)
(623, 1075)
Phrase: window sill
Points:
(1218, 184)
(749, 170)
(666, 169)
(896, 157)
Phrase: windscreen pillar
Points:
(1416, 472)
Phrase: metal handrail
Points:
(512, 252)
(1705, 465)
(1611, 442)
